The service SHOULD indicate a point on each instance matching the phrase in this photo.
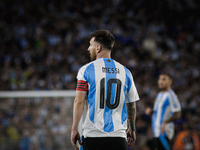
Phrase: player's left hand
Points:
(163, 127)
(131, 137)
(75, 137)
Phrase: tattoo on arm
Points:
(131, 112)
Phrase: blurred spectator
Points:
(187, 140)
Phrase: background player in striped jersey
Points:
(110, 104)
(166, 110)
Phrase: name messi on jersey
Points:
(110, 70)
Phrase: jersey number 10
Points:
(109, 92)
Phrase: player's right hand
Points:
(148, 111)
(75, 137)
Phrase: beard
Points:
(163, 88)
(92, 57)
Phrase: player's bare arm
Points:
(131, 112)
(77, 113)
(175, 116)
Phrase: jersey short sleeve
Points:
(82, 84)
(80, 75)
(131, 94)
(174, 102)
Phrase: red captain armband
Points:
(82, 86)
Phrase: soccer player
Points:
(109, 117)
(166, 110)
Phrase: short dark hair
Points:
(105, 38)
(167, 74)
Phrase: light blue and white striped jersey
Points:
(110, 87)
(166, 103)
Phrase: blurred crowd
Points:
(43, 43)
(35, 124)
